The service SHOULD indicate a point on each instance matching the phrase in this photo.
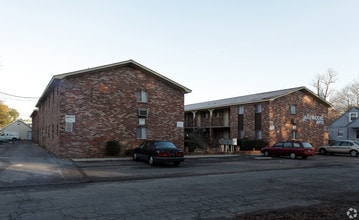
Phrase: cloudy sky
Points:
(217, 48)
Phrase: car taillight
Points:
(163, 154)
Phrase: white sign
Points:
(180, 124)
(70, 118)
(319, 119)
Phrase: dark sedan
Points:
(158, 152)
(289, 148)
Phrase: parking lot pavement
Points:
(126, 169)
(26, 164)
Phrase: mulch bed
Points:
(333, 209)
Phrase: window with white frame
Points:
(340, 132)
(141, 132)
(353, 116)
(293, 110)
(142, 96)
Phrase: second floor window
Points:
(258, 108)
(241, 110)
(293, 110)
(142, 96)
(353, 116)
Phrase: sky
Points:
(217, 48)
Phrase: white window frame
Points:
(141, 132)
(142, 96)
(293, 109)
(353, 116)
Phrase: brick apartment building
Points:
(295, 113)
(80, 111)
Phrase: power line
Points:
(18, 97)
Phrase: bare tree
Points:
(323, 82)
(346, 98)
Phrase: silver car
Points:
(341, 147)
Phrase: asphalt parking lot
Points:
(24, 163)
(34, 184)
(126, 169)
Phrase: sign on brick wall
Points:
(70, 118)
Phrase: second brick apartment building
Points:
(294, 113)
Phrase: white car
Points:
(341, 147)
(3, 139)
(11, 136)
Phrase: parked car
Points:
(3, 139)
(290, 148)
(341, 147)
(11, 135)
(158, 152)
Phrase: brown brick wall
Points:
(106, 108)
(310, 118)
(277, 120)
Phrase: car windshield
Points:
(307, 145)
(164, 144)
(356, 142)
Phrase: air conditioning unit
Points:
(142, 112)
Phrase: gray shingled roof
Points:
(247, 99)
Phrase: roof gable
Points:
(19, 122)
(130, 63)
(253, 98)
(343, 120)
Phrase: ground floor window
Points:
(141, 133)
(357, 134)
(241, 134)
(340, 132)
(258, 134)
(294, 135)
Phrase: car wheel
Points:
(134, 157)
(151, 161)
(266, 153)
(176, 163)
(353, 153)
(293, 156)
(323, 151)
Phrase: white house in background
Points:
(24, 130)
(346, 127)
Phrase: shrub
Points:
(191, 144)
(128, 152)
(112, 148)
(250, 144)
